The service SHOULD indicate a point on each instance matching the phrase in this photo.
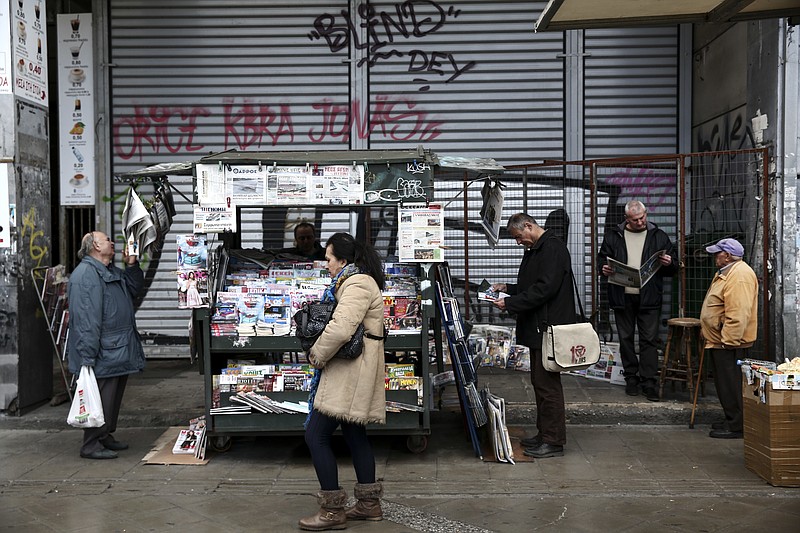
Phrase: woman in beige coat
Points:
(348, 392)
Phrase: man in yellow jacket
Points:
(729, 320)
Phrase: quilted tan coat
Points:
(352, 390)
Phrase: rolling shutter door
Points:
(631, 109)
(193, 77)
(504, 100)
(493, 86)
(631, 92)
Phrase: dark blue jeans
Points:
(319, 433)
(646, 321)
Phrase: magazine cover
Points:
(192, 288)
(192, 252)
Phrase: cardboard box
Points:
(771, 431)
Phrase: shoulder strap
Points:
(578, 296)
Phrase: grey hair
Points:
(635, 206)
(87, 243)
(518, 221)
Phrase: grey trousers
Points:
(111, 391)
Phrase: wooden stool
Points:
(683, 338)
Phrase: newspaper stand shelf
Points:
(214, 351)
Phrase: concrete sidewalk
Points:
(612, 478)
(170, 393)
(629, 465)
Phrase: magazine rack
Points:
(215, 350)
(462, 359)
(51, 284)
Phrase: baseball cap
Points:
(732, 246)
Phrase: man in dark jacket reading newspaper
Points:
(102, 332)
(542, 296)
(632, 243)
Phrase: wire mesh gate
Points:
(696, 198)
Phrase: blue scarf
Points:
(328, 296)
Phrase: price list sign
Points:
(76, 109)
(29, 41)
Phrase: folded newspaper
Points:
(498, 431)
(626, 276)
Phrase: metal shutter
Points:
(191, 77)
(631, 92)
(508, 105)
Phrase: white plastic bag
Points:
(87, 408)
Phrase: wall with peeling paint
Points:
(740, 99)
(26, 354)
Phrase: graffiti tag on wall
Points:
(410, 20)
(724, 195)
(36, 250)
(249, 124)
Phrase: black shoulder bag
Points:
(311, 320)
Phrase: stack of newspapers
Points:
(264, 404)
(498, 432)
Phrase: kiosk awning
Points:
(579, 14)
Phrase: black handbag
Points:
(310, 322)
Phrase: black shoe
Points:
(651, 394)
(544, 450)
(632, 387)
(718, 425)
(532, 442)
(100, 454)
(725, 434)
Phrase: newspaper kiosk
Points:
(231, 185)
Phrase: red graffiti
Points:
(247, 125)
(156, 127)
(401, 124)
(252, 124)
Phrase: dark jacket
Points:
(102, 325)
(614, 246)
(543, 294)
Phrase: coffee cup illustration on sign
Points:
(75, 50)
(75, 23)
(21, 31)
(79, 180)
(77, 75)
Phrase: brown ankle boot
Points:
(368, 506)
(331, 513)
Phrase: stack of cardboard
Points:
(772, 426)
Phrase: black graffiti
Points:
(725, 135)
(412, 19)
(725, 195)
